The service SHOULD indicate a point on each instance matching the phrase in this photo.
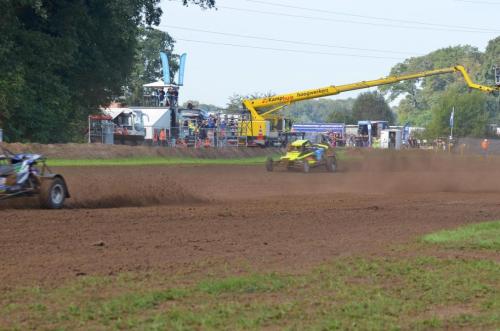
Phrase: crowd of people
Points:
(166, 98)
(213, 130)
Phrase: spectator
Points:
(161, 95)
(210, 123)
(203, 130)
(154, 99)
(155, 137)
(163, 137)
(174, 95)
(169, 95)
(222, 129)
(485, 145)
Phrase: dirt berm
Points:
(100, 151)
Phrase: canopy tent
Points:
(115, 112)
(159, 84)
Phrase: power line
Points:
(480, 2)
(317, 18)
(289, 50)
(350, 22)
(286, 41)
(376, 17)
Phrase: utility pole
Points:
(452, 121)
(496, 69)
(452, 124)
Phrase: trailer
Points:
(391, 139)
(128, 125)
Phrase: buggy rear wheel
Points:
(331, 164)
(305, 166)
(269, 164)
(52, 193)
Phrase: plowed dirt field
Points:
(184, 218)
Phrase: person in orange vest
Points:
(485, 145)
(163, 137)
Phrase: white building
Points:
(155, 118)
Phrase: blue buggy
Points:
(23, 175)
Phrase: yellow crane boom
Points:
(279, 101)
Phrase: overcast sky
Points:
(332, 42)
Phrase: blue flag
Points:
(182, 66)
(452, 117)
(166, 67)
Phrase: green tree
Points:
(235, 104)
(341, 111)
(491, 59)
(321, 111)
(372, 106)
(60, 60)
(418, 90)
(471, 114)
(309, 111)
(148, 67)
(419, 97)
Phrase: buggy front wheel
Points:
(305, 166)
(331, 164)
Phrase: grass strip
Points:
(140, 161)
(157, 160)
(474, 236)
(422, 293)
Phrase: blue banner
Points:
(182, 65)
(166, 68)
(452, 117)
(319, 128)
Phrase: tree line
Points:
(429, 102)
(61, 60)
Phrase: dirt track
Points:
(184, 218)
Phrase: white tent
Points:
(159, 84)
(155, 118)
(114, 112)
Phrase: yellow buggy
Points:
(304, 155)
